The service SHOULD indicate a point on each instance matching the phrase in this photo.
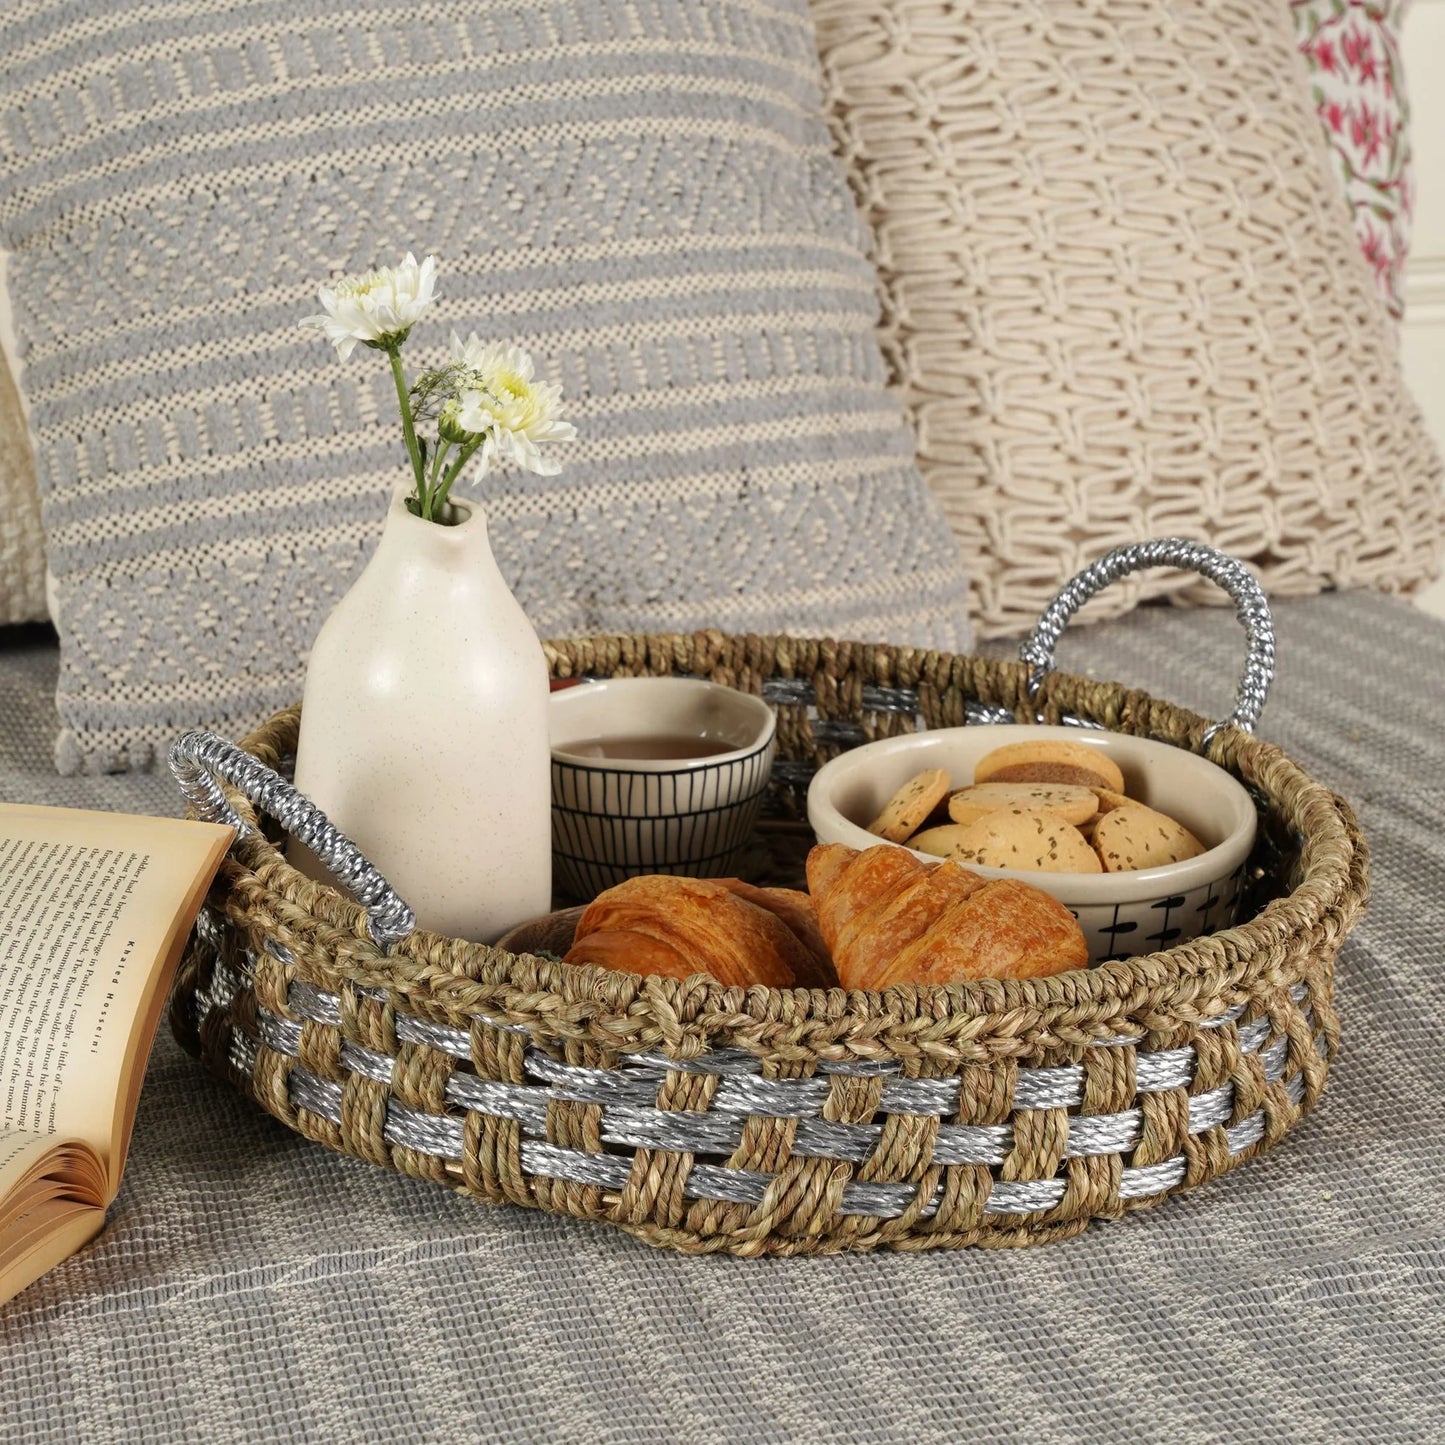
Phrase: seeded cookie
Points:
(1109, 800)
(1052, 761)
(1023, 838)
(906, 810)
(940, 840)
(1071, 804)
(1138, 837)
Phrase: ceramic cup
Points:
(1121, 913)
(613, 818)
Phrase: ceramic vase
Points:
(424, 728)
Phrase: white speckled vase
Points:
(424, 729)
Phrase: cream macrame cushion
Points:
(1122, 293)
(22, 543)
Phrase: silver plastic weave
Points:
(631, 1120)
(1231, 575)
(199, 759)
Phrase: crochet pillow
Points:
(22, 544)
(1122, 297)
(644, 196)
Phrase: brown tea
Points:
(663, 748)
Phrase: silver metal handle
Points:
(1219, 567)
(199, 759)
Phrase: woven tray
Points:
(766, 1121)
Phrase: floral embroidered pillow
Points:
(1357, 84)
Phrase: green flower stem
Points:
(442, 448)
(452, 472)
(403, 396)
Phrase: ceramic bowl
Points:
(1121, 913)
(615, 818)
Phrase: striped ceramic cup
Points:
(654, 775)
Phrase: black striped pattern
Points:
(614, 823)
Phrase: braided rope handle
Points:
(201, 760)
(1219, 567)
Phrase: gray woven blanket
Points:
(251, 1286)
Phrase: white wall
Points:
(1422, 338)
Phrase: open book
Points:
(94, 911)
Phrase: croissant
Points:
(888, 918)
(795, 909)
(741, 935)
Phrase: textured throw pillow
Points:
(1122, 296)
(22, 544)
(1357, 83)
(643, 195)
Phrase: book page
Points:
(26, 1157)
(40, 1238)
(94, 910)
(46, 1174)
(53, 1201)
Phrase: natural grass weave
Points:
(764, 1121)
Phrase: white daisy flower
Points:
(377, 308)
(498, 396)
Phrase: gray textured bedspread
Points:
(250, 1286)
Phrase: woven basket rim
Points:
(1194, 981)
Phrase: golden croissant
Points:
(887, 918)
(741, 935)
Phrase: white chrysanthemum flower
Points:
(377, 308)
(497, 395)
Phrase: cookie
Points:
(1023, 838)
(1052, 761)
(1071, 804)
(906, 810)
(938, 841)
(1109, 800)
(1138, 837)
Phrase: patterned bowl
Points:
(1122, 914)
(613, 818)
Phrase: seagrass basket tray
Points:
(766, 1121)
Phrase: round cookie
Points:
(1138, 837)
(939, 841)
(1066, 802)
(1109, 800)
(1022, 838)
(1050, 761)
(907, 809)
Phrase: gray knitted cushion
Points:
(643, 195)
